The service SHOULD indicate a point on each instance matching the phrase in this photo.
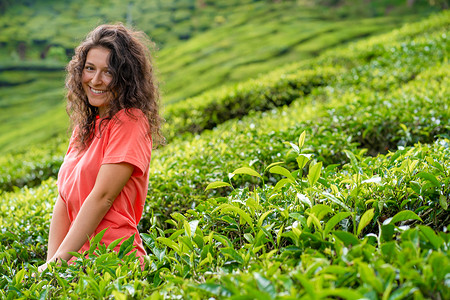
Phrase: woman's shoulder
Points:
(129, 118)
(130, 114)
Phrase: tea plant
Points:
(306, 236)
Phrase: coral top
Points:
(124, 138)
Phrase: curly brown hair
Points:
(133, 82)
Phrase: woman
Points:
(113, 105)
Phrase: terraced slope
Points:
(229, 41)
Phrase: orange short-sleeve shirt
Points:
(124, 138)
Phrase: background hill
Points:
(203, 45)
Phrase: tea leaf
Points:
(265, 285)
(375, 179)
(263, 216)
(282, 183)
(353, 160)
(430, 177)
(368, 276)
(302, 160)
(320, 210)
(365, 220)
(273, 164)
(304, 199)
(193, 226)
(228, 207)
(443, 202)
(217, 184)
(340, 293)
(402, 216)
(432, 237)
(169, 243)
(314, 173)
(313, 219)
(114, 243)
(307, 285)
(334, 221)
(282, 171)
(126, 246)
(336, 200)
(93, 243)
(247, 171)
(233, 254)
(346, 237)
(301, 139)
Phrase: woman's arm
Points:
(59, 226)
(110, 181)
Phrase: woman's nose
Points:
(97, 79)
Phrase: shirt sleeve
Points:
(129, 141)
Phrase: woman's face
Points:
(96, 78)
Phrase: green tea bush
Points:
(210, 109)
(32, 166)
(378, 122)
(309, 235)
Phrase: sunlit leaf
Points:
(169, 243)
(314, 173)
(247, 171)
(334, 199)
(273, 164)
(346, 237)
(233, 254)
(375, 179)
(281, 183)
(228, 207)
(304, 199)
(217, 184)
(353, 160)
(93, 243)
(303, 159)
(443, 202)
(263, 216)
(334, 221)
(301, 139)
(365, 220)
(282, 171)
(402, 216)
(368, 276)
(430, 177)
(321, 210)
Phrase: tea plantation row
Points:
(383, 63)
(309, 236)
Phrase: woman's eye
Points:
(89, 68)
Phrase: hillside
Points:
(334, 183)
(227, 42)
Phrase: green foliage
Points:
(264, 242)
(344, 193)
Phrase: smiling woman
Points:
(112, 101)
